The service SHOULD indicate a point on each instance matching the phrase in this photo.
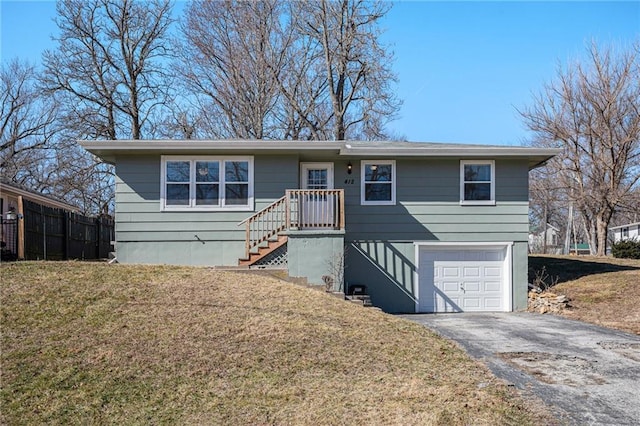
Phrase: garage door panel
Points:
(471, 303)
(470, 271)
(449, 286)
(461, 280)
(472, 287)
(493, 303)
(447, 304)
(492, 286)
(450, 271)
(492, 271)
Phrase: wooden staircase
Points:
(298, 209)
(263, 251)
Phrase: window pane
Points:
(177, 194)
(377, 192)
(237, 194)
(236, 171)
(177, 171)
(377, 172)
(317, 179)
(207, 194)
(477, 191)
(207, 171)
(477, 172)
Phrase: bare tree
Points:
(108, 66)
(356, 67)
(592, 111)
(27, 123)
(228, 54)
(288, 69)
(545, 202)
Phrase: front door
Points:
(317, 210)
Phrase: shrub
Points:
(627, 249)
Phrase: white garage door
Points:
(460, 280)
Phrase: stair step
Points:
(263, 251)
(361, 299)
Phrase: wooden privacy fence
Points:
(56, 234)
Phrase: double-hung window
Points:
(207, 183)
(477, 182)
(378, 182)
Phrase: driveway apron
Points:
(587, 375)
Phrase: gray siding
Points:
(145, 234)
(380, 251)
(378, 239)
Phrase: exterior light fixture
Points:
(349, 168)
(11, 214)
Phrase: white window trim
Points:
(392, 202)
(492, 201)
(192, 159)
(306, 166)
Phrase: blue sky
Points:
(463, 67)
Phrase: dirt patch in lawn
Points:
(603, 291)
(91, 343)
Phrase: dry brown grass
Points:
(91, 343)
(603, 291)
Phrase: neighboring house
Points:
(553, 242)
(630, 231)
(12, 198)
(425, 227)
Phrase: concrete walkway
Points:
(588, 375)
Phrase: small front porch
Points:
(306, 225)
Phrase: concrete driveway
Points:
(588, 375)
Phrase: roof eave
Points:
(44, 199)
(624, 226)
(108, 150)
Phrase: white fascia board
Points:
(624, 226)
(188, 145)
(458, 151)
(108, 150)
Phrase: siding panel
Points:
(146, 234)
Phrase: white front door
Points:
(316, 210)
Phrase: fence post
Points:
(44, 232)
(66, 229)
(98, 236)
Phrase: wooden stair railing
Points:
(315, 208)
(265, 224)
(301, 209)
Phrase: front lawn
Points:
(92, 343)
